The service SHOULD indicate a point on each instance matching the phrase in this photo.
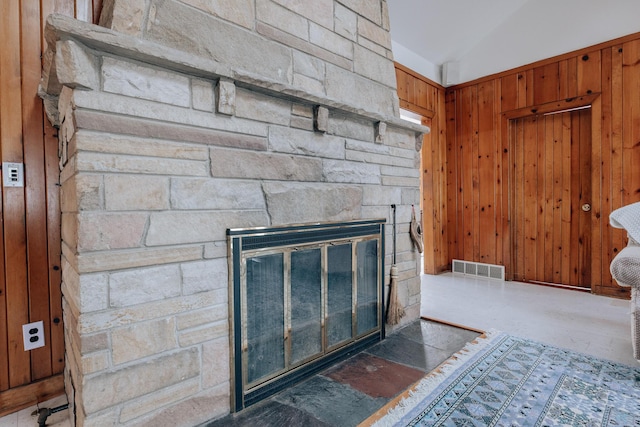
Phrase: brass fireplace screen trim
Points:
(301, 297)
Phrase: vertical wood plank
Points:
(545, 273)
(486, 228)
(13, 198)
(466, 149)
(444, 168)
(589, 73)
(558, 185)
(453, 173)
(428, 200)
(509, 92)
(575, 242)
(566, 198)
(530, 191)
(546, 80)
(618, 240)
(497, 177)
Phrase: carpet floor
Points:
(503, 380)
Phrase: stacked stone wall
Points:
(163, 149)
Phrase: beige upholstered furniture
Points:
(625, 267)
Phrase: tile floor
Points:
(575, 320)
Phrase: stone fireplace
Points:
(180, 120)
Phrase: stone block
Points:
(351, 128)
(351, 172)
(308, 65)
(134, 192)
(380, 159)
(215, 249)
(367, 8)
(226, 97)
(133, 287)
(129, 79)
(111, 388)
(327, 39)
(159, 399)
(115, 318)
(400, 181)
(181, 27)
(308, 84)
(302, 110)
(241, 12)
(194, 411)
(175, 228)
(211, 314)
(142, 340)
(125, 16)
(190, 337)
(97, 162)
(411, 196)
(400, 171)
(120, 114)
(374, 66)
(380, 129)
(252, 165)
(204, 276)
(215, 363)
(294, 141)
(302, 123)
(93, 292)
(69, 229)
(291, 203)
(256, 106)
(217, 194)
(346, 22)
(374, 195)
(361, 92)
(321, 118)
(202, 95)
(114, 143)
(302, 45)
(103, 231)
(374, 32)
(75, 66)
(106, 418)
(95, 362)
(282, 18)
(376, 48)
(94, 342)
(320, 11)
(116, 260)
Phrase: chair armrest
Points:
(625, 267)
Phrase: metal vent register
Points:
(302, 297)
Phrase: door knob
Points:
(586, 207)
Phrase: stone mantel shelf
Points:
(60, 27)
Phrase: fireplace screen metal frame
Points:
(301, 297)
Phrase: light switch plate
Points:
(12, 174)
(33, 335)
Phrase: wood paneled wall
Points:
(29, 216)
(607, 77)
(426, 98)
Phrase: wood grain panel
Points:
(607, 77)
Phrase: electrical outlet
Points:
(33, 335)
(12, 174)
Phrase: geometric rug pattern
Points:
(502, 380)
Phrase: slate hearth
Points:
(348, 393)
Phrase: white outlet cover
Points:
(33, 335)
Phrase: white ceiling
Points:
(483, 37)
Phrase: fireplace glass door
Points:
(300, 301)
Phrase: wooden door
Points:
(551, 198)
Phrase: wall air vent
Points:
(478, 269)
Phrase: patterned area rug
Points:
(503, 380)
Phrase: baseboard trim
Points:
(18, 398)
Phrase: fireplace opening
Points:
(302, 297)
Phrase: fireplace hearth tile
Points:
(375, 376)
(269, 414)
(335, 403)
